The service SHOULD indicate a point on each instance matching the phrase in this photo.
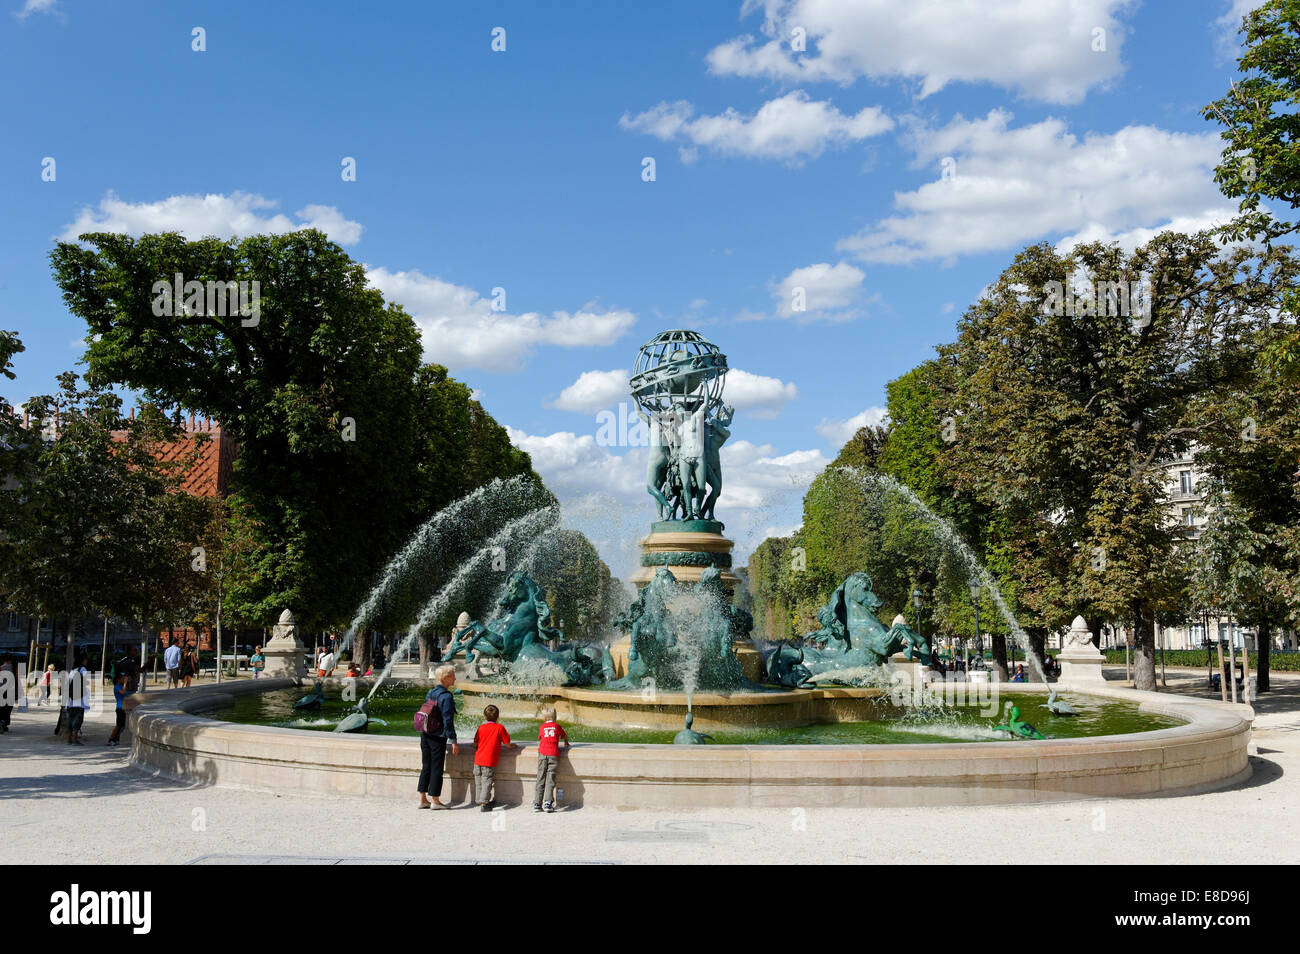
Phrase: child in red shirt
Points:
(548, 760)
(488, 742)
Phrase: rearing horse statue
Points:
(522, 632)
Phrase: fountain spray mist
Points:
(429, 538)
(952, 539)
(530, 524)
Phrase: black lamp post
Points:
(975, 590)
(916, 602)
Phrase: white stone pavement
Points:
(61, 803)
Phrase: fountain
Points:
(844, 715)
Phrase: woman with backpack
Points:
(436, 722)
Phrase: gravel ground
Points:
(50, 791)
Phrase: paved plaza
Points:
(63, 804)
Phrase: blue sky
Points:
(775, 168)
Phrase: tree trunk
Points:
(1000, 656)
(1264, 644)
(1144, 649)
(361, 650)
(1038, 645)
(426, 653)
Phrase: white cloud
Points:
(198, 216)
(758, 485)
(757, 395)
(838, 432)
(1227, 41)
(1042, 49)
(573, 465)
(461, 330)
(35, 6)
(791, 128)
(755, 477)
(827, 290)
(1008, 187)
(593, 391)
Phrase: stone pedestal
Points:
(284, 653)
(687, 548)
(1080, 660)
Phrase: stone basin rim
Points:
(170, 737)
(1208, 719)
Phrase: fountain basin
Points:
(171, 736)
(667, 710)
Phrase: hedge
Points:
(1199, 659)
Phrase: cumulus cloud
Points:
(1047, 50)
(1227, 40)
(758, 395)
(574, 465)
(1000, 187)
(593, 391)
(792, 128)
(600, 488)
(819, 291)
(755, 475)
(198, 216)
(461, 330)
(35, 6)
(838, 432)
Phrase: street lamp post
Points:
(916, 602)
(975, 590)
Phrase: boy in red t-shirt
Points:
(548, 760)
(488, 741)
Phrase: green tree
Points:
(99, 527)
(1235, 568)
(1261, 125)
(1072, 407)
(322, 390)
(1255, 462)
(577, 584)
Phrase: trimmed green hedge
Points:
(1277, 661)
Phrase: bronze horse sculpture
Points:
(522, 631)
(850, 637)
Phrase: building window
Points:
(1185, 481)
(1189, 518)
(13, 622)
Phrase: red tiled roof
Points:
(209, 475)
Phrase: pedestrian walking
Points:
(172, 661)
(189, 665)
(8, 691)
(77, 696)
(120, 692)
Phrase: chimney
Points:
(191, 428)
(133, 414)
